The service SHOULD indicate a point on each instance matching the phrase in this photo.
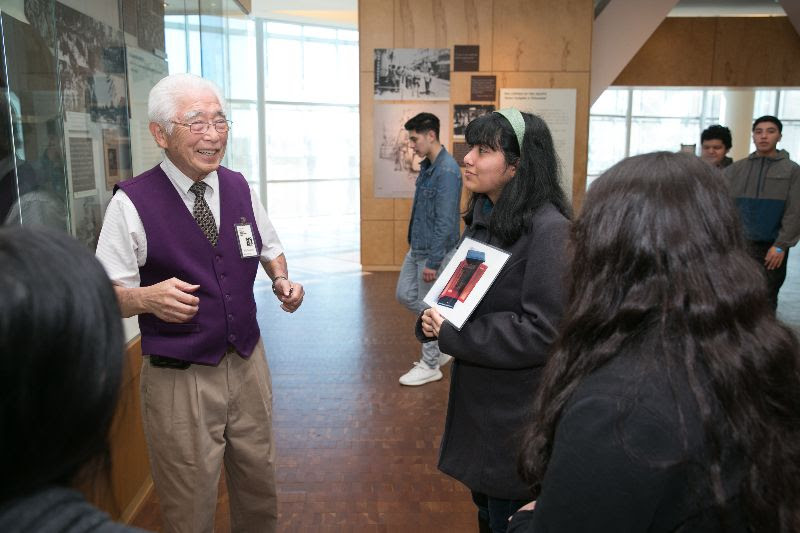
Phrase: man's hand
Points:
(774, 258)
(290, 294)
(171, 300)
(428, 274)
(431, 322)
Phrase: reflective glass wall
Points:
(74, 80)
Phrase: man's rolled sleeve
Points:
(448, 195)
(122, 247)
(271, 246)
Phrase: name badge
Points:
(247, 243)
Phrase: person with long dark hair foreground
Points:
(516, 204)
(61, 356)
(672, 399)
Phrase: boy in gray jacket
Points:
(766, 189)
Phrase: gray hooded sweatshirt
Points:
(767, 193)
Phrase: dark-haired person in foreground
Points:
(672, 399)
(61, 349)
(516, 204)
(766, 189)
(715, 143)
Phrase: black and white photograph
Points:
(87, 219)
(412, 74)
(463, 114)
(91, 59)
(117, 157)
(150, 25)
(396, 163)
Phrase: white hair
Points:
(162, 103)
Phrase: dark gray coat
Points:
(499, 356)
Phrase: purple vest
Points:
(177, 247)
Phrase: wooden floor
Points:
(356, 451)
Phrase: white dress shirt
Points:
(122, 246)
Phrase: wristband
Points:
(276, 278)
(778, 249)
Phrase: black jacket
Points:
(56, 510)
(499, 355)
(622, 460)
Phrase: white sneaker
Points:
(444, 359)
(420, 375)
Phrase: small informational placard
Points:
(483, 88)
(466, 58)
(81, 168)
(465, 280)
(460, 149)
(557, 108)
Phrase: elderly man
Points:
(182, 243)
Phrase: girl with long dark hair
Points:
(61, 364)
(672, 399)
(516, 204)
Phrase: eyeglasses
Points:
(222, 126)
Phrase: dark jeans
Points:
(775, 278)
(495, 512)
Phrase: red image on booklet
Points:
(464, 279)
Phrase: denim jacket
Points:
(433, 229)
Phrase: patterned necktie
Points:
(202, 213)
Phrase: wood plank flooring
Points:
(356, 451)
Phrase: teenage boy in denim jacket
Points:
(433, 232)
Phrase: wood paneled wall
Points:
(728, 52)
(130, 468)
(525, 43)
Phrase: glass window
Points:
(319, 68)
(242, 38)
(791, 138)
(790, 105)
(606, 143)
(652, 134)
(284, 73)
(667, 102)
(311, 142)
(175, 37)
(242, 151)
(347, 35)
(764, 104)
(284, 29)
(666, 118)
(711, 108)
(612, 102)
(320, 32)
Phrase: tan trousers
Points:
(194, 419)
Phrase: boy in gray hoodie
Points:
(766, 189)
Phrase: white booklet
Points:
(465, 280)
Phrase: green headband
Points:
(514, 117)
